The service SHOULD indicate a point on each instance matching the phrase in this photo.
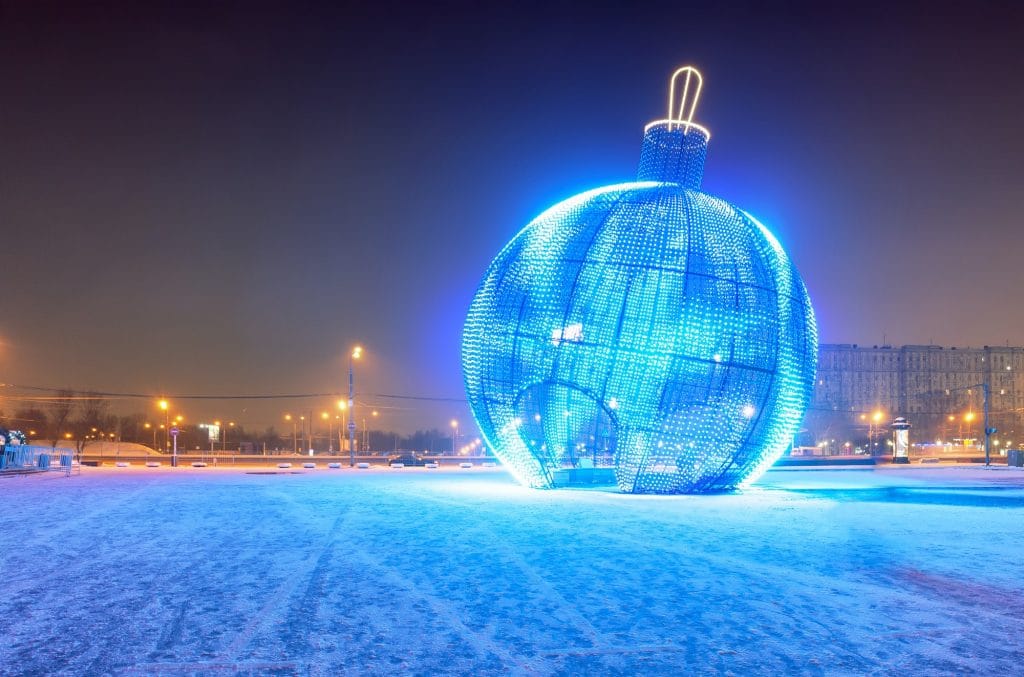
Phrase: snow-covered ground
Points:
(199, 571)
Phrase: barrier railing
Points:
(228, 458)
(24, 458)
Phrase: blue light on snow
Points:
(646, 326)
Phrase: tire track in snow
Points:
(442, 609)
(75, 520)
(530, 572)
(600, 645)
(276, 605)
(481, 643)
(40, 577)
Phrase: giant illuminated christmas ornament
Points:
(646, 327)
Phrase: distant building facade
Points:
(938, 390)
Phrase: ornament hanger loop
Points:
(691, 88)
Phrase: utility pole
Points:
(356, 353)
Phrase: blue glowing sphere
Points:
(646, 327)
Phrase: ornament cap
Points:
(674, 149)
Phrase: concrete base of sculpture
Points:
(575, 477)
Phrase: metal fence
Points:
(24, 458)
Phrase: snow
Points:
(203, 570)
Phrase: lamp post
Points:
(163, 404)
(366, 431)
(295, 440)
(876, 419)
(330, 432)
(455, 431)
(356, 353)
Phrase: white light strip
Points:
(669, 123)
(691, 72)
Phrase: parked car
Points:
(406, 458)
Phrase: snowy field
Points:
(415, 571)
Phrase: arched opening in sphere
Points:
(565, 426)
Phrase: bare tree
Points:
(92, 412)
(30, 420)
(60, 413)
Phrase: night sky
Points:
(223, 200)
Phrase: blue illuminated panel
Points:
(645, 326)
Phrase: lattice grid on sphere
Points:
(648, 327)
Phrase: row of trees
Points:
(78, 418)
(63, 418)
(862, 431)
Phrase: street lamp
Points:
(342, 407)
(356, 353)
(366, 431)
(876, 419)
(969, 417)
(330, 432)
(295, 441)
(163, 404)
(455, 433)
